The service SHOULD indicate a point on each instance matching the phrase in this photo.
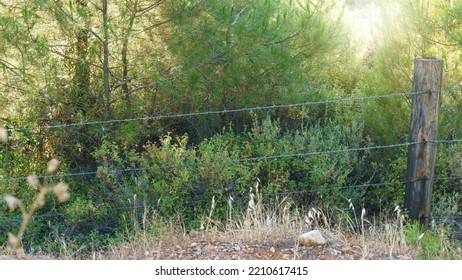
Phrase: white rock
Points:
(312, 238)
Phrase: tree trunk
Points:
(125, 79)
(107, 89)
(82, 68)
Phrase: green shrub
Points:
(182, 180)
(434, 243)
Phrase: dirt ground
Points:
(213, 247)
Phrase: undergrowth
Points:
(181, 190)
(15, 246)
(385, 237)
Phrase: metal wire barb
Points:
(249, 159)
(131, 206)
(215, 112)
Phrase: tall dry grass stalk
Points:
(261, 222)
(3, 135)
(149, 240)
(61, 190)
(278, 224)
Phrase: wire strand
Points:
(318, 190)
(449, 141)
(452, 89)
(215, 112)
(249, 159)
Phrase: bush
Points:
(181, 180)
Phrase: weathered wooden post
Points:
(421, 157)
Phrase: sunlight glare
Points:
(366, 21)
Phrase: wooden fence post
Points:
(421, 157)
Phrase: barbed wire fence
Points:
(131, 206)
(215, 112)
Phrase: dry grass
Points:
(14, 247)
(280, 224)
(277, 225)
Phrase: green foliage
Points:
(182, 180)
(172, 57)
(237, 54)
(432, 244)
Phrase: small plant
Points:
(61, 190)
(433, 243)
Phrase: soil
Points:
(215, 250)
(210, 249)
(219, 250)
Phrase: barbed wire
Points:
(133, 206)
(249, 159)
(226, 111)
(258, 158)
(242, 160)
(368, 185)
(451, 89)
(215, 112)
(448, 141)
(446, 178)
